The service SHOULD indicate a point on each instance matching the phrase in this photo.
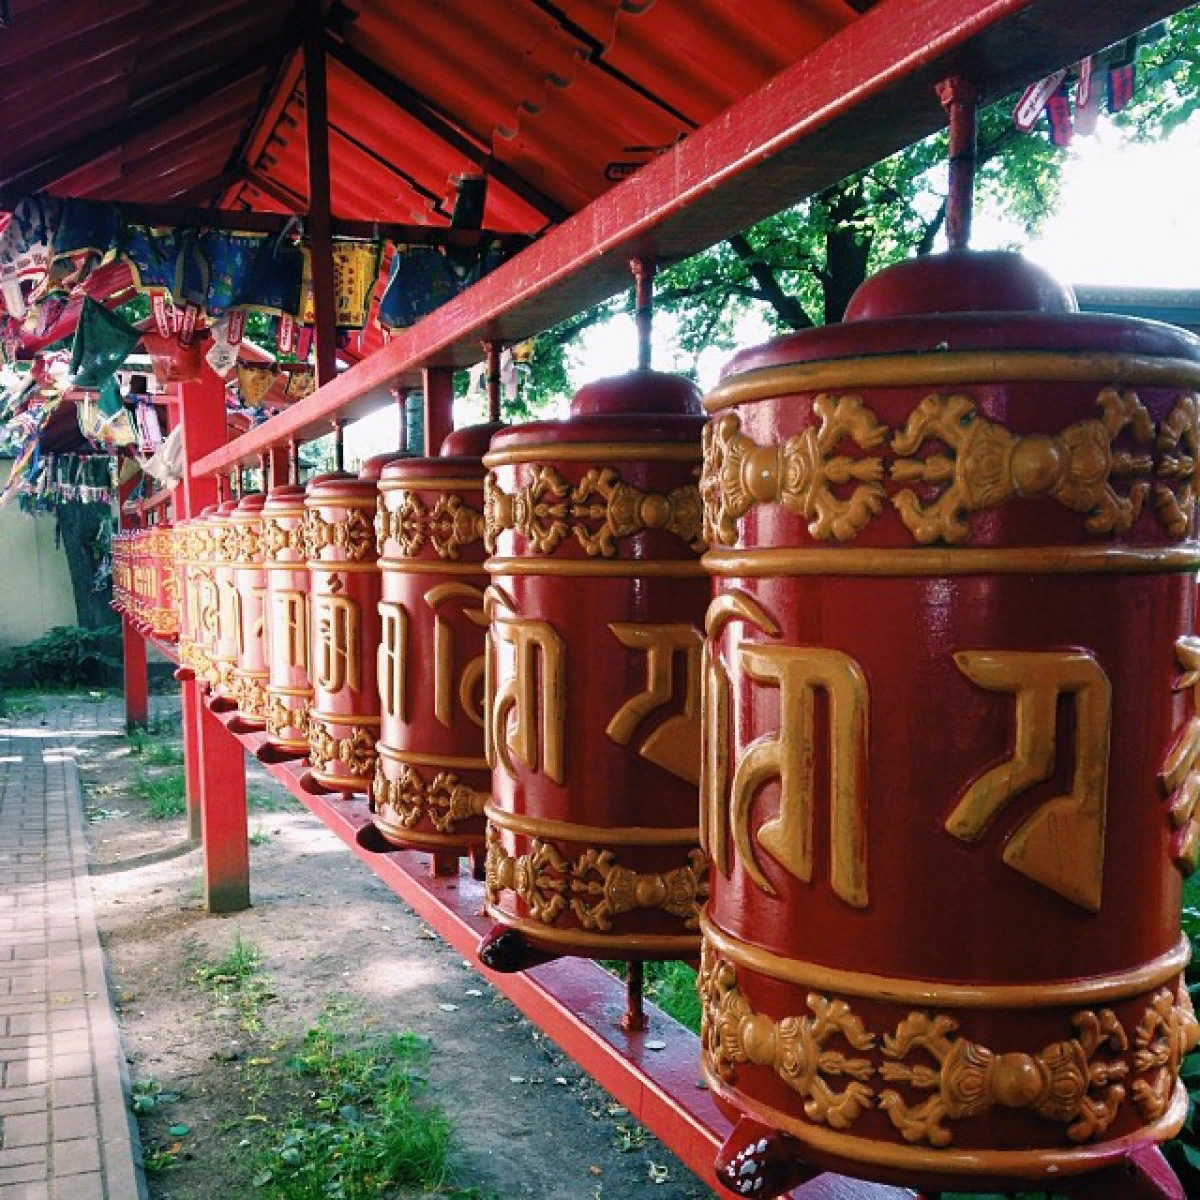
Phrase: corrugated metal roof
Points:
(120, 100)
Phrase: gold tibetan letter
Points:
(443, 654)
(798, 672)
(392, 659)
(1061, 846)
(514, 701)
(288, 639)
(675, 744)
(337, 642)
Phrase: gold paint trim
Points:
(1027, 560)
(1069, 993)
(945, 369)
(342, 718)
(693, 568)
(566, 831)
(333, 565)
(431, 484)
(432, 566)
(630, 452)
(272, 690)
(1041, 1165)
(667, 945)
(438, 760)
(275, 564)
(436, 842)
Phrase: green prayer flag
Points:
(103, 341)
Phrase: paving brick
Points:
(68, 1018)
(29, 1129)
(79, 1187)
(75, 1156)
(78, 1121)
(20, 1156)
(68, 1093)
(25, 1191)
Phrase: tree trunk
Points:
(78, 525)
(847, 248)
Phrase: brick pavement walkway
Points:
(65, 1129)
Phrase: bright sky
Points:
(1125, 218)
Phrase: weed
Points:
(152, 749)
(261, 801)
(236, 980)
(363, 1132)
(260, 837)
(164, 793)
(671, 985)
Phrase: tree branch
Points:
(790, 310)
(930, 229)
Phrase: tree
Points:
(84, 529)
(801, 266)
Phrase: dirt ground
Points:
(527, 1122)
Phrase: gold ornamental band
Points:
(282, 690)
(333, 565)
(407, 838)
(431, 566)
(350, 784)
(448, 761)
(316, 714)
(285, 564)
(952, 368)
(317, 503)
(621, 568)
(934, 561)
(665, 945)
(930, 993)
(591, 452)
(1039, 1165)
(466, 484)
(568, 831)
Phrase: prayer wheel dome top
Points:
(637, 392)
(373, 467)
(471, 441)
(251, 504)
(286, 495)
(226, 508)
(958, 282)
(335, 485)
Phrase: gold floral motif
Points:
(356, 753)
(990, 465)
(1179, 443)
(1166, 1034)
(599, 511)
(801, 474)
(353, 534)
(596, 888)
(251, 696)
(280, 717)
(1180, 775)
(246, 543)
(1065, 1082)
(796, 1049)
(448, 527)
(276, 538)
(445, 800)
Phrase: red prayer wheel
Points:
(343, 725)
(596, 604)
(164, 604)
(207, 599)
(951, 758)
(122, 583)
(141, 586)
(431, 779)
(289, 692)
(226, 634)
(251, 673)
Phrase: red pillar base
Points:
(137, 689)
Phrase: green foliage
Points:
(65, 656)
(1168, 79)
(236, 980)
(363, 1132)
(148, 745)
(164, 792)
(672, 986)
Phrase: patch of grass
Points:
(164, 793)
(671, 985)
(261, 801)
(260, 837)
(21, 703)
(151, 748)
(236, 980)
(363, 1131)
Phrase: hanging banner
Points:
(1034, 100)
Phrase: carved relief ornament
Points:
(1080, 1082)
(277, 537)
(596, 888)
(281, 717)
(598, 511)
(447, 527)
(445, 800)
(356, 753)
(353, 534)
(1180, 775)
(961, 461)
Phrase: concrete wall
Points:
(35, 585)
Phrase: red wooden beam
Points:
(439, 408)
(866, 92)
(320, 230)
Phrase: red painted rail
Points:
(863, 94)
(574, 1001)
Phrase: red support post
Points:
(133, 652)
(214, 759)
(439, 407)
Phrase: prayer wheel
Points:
(596, 607)
(251, 673)
(121, 574)
(289, 692)
(226, 633)
(141, 587)
(951, 751)
(431, 779)
(204, 621)
(164, 604)
(343, 725)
